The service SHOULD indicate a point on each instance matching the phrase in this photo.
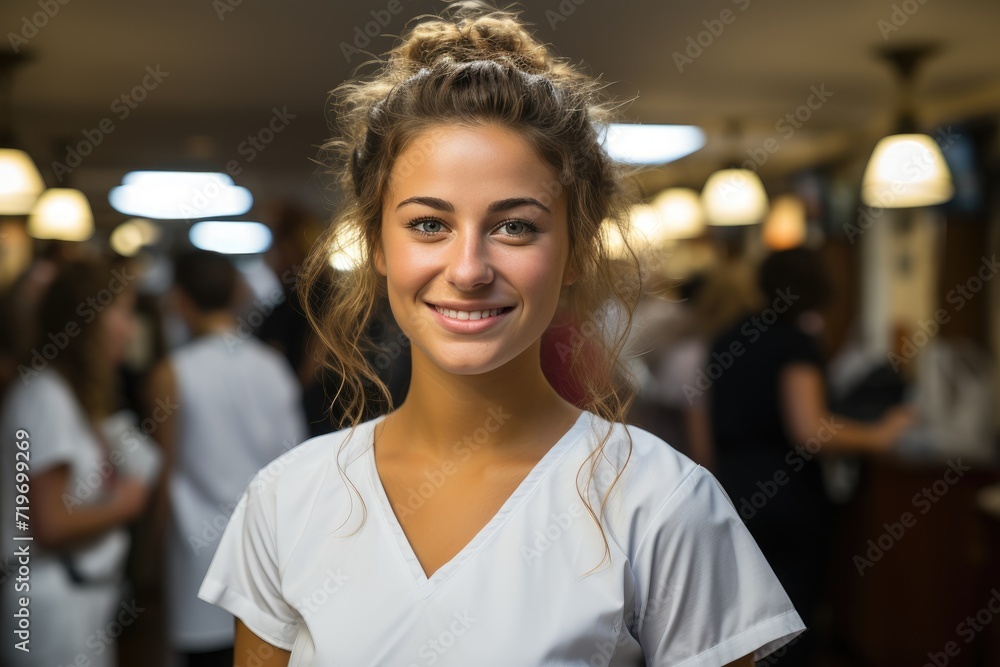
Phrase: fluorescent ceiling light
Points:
(651, 144)
(230, 236)
(177, 195)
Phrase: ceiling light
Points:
(651, 144)
(179, 195)
(907, 168)
(20, 182)
(63, 214)
(128, 238)
(346, 251)
(230, 236)
(680, 212)
(785, 226)
(734, 197)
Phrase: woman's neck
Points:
(508, 408)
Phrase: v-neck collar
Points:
(426, 586)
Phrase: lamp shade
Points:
(906, 170)
(128, 238)
(785, 226)
(63, 214)
(734, 197)
(680, 212)
(648, 230)
(20, 182)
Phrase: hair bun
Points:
(477, 32)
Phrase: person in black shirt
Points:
(769, 421)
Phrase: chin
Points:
(472, 363)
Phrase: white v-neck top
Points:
(686, 585)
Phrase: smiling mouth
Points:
(470, 315)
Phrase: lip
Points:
(467, 326)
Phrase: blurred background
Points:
(820, 177)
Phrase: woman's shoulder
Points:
(650, 468)
(45, 392)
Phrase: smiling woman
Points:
(475, 181)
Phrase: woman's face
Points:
(468, 225)
(119, 325)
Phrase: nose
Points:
(468, 261)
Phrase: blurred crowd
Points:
(145, 413)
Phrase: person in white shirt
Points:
(486, 520)
(238, 408)
(66, 500)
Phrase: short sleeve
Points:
(705, 594)
(47, 410)
(244, 577)
(799, 347)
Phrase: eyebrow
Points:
(499, 205)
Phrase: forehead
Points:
(466, 162)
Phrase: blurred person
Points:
(460, 488)
(60, 466)
(235, 407)
(769, 423)
(719, 300)
(287, 329)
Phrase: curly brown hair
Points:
(476, 65)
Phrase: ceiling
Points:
(227, 66)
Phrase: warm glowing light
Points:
(131, 236)
(63, 214)
(734, 197)
(785, 226)
(680, 212)
(906, 170)
(20, 182)
(347, 251)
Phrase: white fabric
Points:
(69, 623)
(239, 408)
(687, 585)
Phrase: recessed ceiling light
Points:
(232, 237)
(179, 195)
(651, 144)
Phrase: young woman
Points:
(507, 526)
(58, 462)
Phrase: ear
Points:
(379, 260)
(569, 274)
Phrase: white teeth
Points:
(468, 315)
